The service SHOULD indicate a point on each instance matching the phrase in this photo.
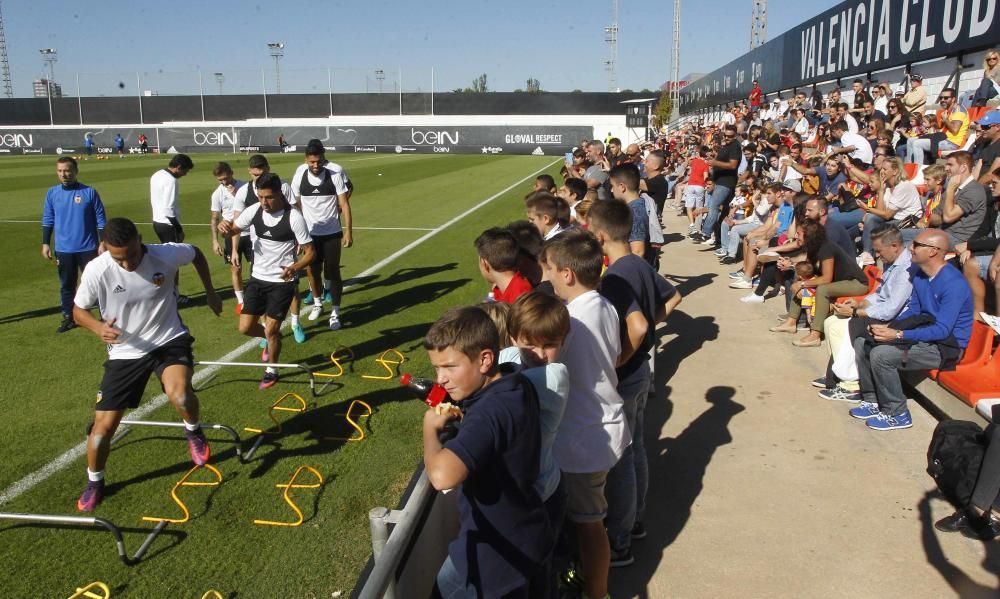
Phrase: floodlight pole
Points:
(138, 88)
(401, 91)
(277, 51)
(220, 79)
(329, 88)
(201, 95)
(79, 102)
(50, 56)
(263, 85)
(380, 77)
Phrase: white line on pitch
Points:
(210, 224)
(79, 450)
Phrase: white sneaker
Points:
(741, 284)
(752, 298)
(709, 241)
(335, 321)
(316, 311)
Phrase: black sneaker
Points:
(182, 300)
(981, 529)
(697, 237)
(620, 559)
(68, 324)
(638, 531)
(953, 523)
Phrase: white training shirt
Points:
(143, 302)
(862, 148)
(222, 200)
(164, 195)
(904, 199)
(240, 202)
(271, 257)
(593, 432)
(322, 212)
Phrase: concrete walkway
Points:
(759, 488)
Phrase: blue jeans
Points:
(622, 483)
(849, 220)
(714, 202)
(731, 236)
(69, 265)
(917, 146)
(872, 222)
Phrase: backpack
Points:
(954, 458)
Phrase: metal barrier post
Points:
(378, 520)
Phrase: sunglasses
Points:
(918, 244)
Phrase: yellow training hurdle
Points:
(292, 485)
(183, 482)
(88, 593)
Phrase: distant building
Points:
(40, 86)
(684, 82)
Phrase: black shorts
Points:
(125, 380)
(166, 232)
(263, 298)
(244, 247)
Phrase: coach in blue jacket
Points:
(932, 332)
(76, 213)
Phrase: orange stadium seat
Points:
(977, 354)
(872, 272)
(973, 382)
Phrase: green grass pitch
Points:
(50, 381)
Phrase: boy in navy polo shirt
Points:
(505, 534)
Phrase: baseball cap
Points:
(900, 90)
(916, 77)
(792, 185)
(990, 118)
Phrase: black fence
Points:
(162, 109)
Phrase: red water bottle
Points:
(427, 390)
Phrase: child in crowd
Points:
(498, 259)
(804, 271)
(504, 536)
(499, 313)
(539, 324)
(543, 212)
(642, 298)
(593, 433)
(529, 244)
(545, 183)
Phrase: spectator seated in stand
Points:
(841, 380)
(897, 202)
(839, 275)
(980, 256)
(931, 333)
(766, 238)
(750, 213)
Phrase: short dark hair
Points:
(529, 240)
(119, 232)
(577, 187)
(611, 218)
(69, 160)
(543, 203)
(841, 126)
(627, 174)
(269, 181)
(258, 161)
(467, 329)
(499, 248)
(222, 168)
(315, 148)
(614, 141)
(578, 251)
(181, 161)
(546, 180)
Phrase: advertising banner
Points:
(849, 40)
(440, 139)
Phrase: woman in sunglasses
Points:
(990, 86)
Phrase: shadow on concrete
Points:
(958, 580)
(676, 465)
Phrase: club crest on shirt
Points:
(77, 199)
(158, 279)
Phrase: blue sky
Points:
(559, 43)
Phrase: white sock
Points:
(318, 300)
(295, 319)
(95, 476)
(271, 370)
(191, 427)
(239, 297)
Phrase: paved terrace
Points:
(759, 488)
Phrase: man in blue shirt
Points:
(76, 213)
(119, 145)
(941, 297)
(88, 144)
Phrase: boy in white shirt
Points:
(593, 433)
